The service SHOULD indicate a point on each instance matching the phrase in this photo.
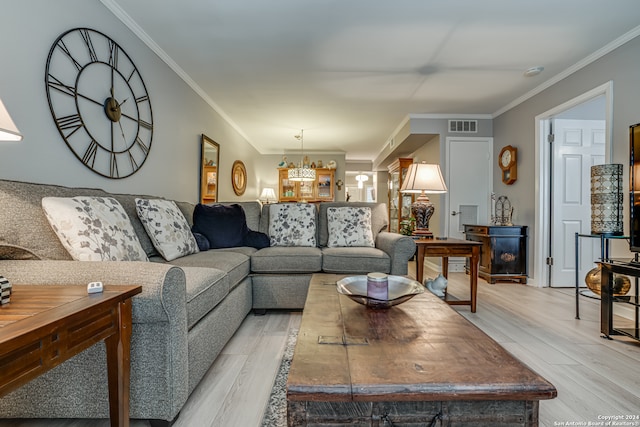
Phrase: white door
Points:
(577, 145)
(470, 182)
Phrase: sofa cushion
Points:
(166, 226)
(283, 259)
(379, 218)
(355, 260)
(93, 228)
(349, 226)
(206, 287)
(292, 224)
(224, 226)
(235, 264)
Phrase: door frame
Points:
(542, 168)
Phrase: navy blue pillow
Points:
(256, 239)
(202, 241)
(224, 226)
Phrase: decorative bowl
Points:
(401, 289)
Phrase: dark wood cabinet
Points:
(503, 255)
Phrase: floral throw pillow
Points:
(349, 226)
(167, 228)
(93, 228)
(292, 224)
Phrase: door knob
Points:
(454, 213)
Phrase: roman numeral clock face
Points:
(99, 102)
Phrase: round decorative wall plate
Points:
(239, 177)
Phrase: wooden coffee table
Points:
(413, 363)
(43, 326)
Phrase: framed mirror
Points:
(239, 177)
(209, 158)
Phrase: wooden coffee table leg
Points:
(118, 367)
(445, 267)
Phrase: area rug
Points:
(276, 413)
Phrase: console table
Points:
(446, 248)
(43, 326)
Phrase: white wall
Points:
(28, 30)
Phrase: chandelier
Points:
(303, 172)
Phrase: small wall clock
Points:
(507, 160)
(99, 102)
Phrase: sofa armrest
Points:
(400, 249)
(159, 368)
(163, 297)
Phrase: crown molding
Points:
(151, 44)
(630, 35)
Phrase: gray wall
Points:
(516, 127)
(28, 30)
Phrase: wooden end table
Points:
(43, 326)
(446, 248)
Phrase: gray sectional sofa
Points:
(188, 309)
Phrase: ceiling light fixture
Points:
(533, 71)
(302, 172)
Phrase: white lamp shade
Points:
(268, 194)
(423, 177)
(8, 129)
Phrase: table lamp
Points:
(8, 132)
(423, 178)
(268, 194)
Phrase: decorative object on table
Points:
(86, 72)
(408, 226)
(621, 283)
(400, 289)
(283, 163)
(209, 158)
(508, 164)
(319, 163)
(313, 165)
(378, 286)
(5, 291)
(268, 194)
(339, 183)
(238, 177)
(302, 173)
(437, 286)
(8, 129)
(606, 199)
(331, 164)
(423, 178)
(503, 212)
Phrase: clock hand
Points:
(122, 130)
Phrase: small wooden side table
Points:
(446, 248)
(43, 326)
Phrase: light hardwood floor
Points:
(595, 377)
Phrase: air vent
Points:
(463, 126)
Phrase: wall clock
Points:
(508, 163)
(99, 102)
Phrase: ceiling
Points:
(349, 72)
